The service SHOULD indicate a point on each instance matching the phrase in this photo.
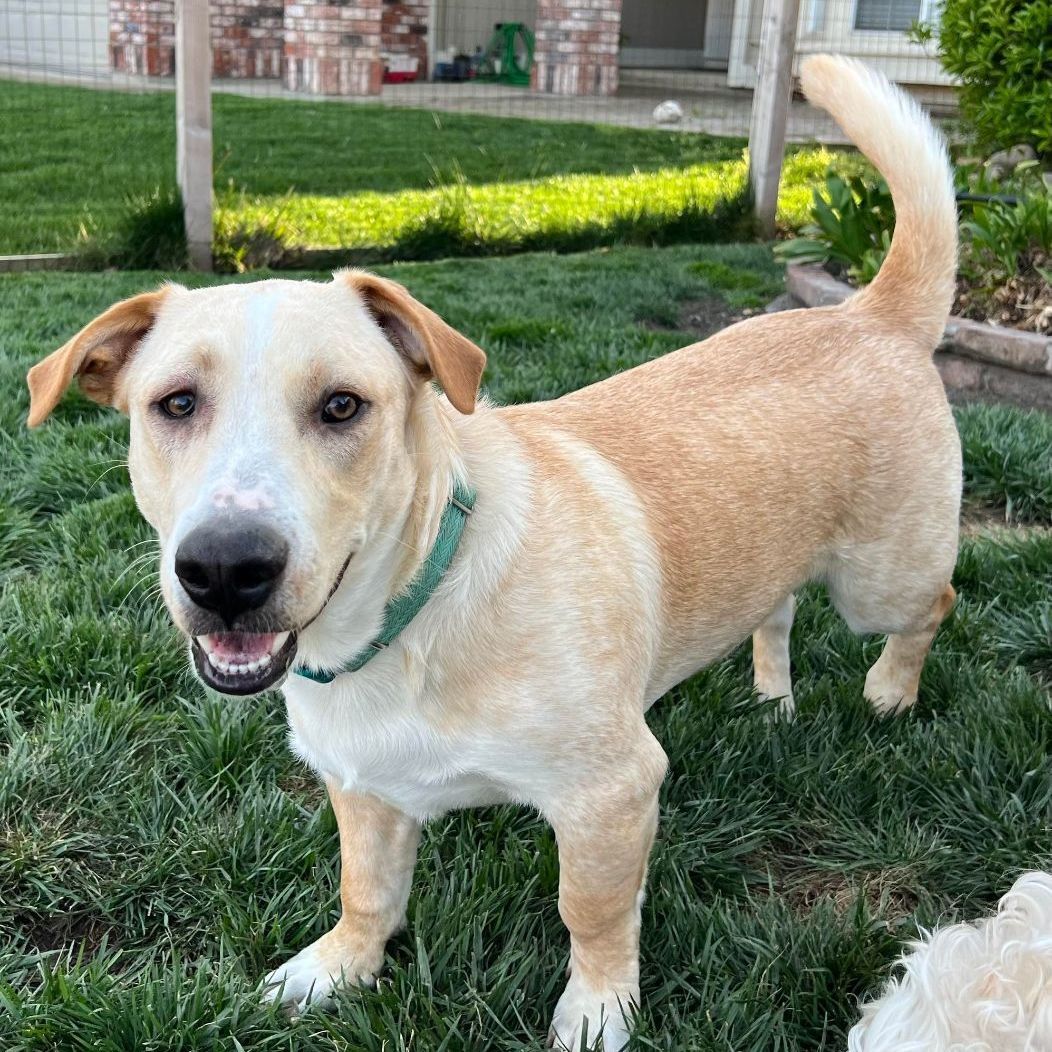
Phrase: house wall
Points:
(247, 37)
(577, 47)
(333, 49)
(65, 36)
(317, 46)
(403, 30)
(828, 25)
(142, 36)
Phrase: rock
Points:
(1005, 162)
(786, 301)
(668, 112)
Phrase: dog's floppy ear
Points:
(432, 346)
(95, 355)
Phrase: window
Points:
(887, 14)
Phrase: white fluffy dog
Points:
(984, 987)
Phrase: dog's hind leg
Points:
(770, 656)
(892, 682)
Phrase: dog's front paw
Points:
(314, 973)
(584, 1015)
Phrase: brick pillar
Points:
(247, 38)
(405, 30)
(576, 48)
(333, 48)
(142, 37)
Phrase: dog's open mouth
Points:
(243, 662)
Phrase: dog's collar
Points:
(404, 607)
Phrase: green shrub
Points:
(1006, 241)
(1002, 52)
(1002, 238)
(851, 226)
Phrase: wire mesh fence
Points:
(334, 118)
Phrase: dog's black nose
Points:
(230, 569)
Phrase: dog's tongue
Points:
(242, 648)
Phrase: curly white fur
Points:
(984, 987)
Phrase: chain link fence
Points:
(350, 123)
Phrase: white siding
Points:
(61, 36)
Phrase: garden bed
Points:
(977, 360)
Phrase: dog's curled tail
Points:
(915, 285)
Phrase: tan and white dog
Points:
(298, 465)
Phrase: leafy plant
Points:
(851, 226)
(1000, 51)
(1006, 235)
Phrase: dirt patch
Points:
(306, 786)
(981, 518)
(886, 892)
(83, 934)
(702, 317)
(1023, 302)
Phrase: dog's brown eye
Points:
(178, 405)
(340, 407)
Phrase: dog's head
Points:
(273, 444)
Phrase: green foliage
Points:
(161, 848)
(851, 227)
(238, 246)
(148, 235)
(1001, 239)
(1000, 466)
(1001, 52)
(853, 220)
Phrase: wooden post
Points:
(432, 38)
(193, 121)
(770, 108)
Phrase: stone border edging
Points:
(36, 261)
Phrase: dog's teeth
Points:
(243, 667)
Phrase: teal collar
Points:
(404, 607)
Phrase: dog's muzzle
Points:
(243, 662)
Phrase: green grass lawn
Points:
(160, 848)
(385, 182)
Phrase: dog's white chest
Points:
(373, 737)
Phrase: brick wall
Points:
(247, 38)
(332, 47)
(576, 48)
(142, 37)
(326, 47)
(404, 30)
